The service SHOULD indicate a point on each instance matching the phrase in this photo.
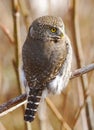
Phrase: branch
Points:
(82, 71)
(14, 103)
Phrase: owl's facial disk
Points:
(47, 28)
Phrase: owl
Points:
(46, 57)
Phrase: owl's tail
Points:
(32, 104)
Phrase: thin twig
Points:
(11, 103)
(79, 110)
(16, 19)
(25, 13)
(82, 70)
(58, 115)
(6, 31)
(17, 36)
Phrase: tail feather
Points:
(32, 105)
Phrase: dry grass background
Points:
(78, 16)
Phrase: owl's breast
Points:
(43, 60)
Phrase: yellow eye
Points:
(53, 30)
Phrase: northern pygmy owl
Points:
(47, 56)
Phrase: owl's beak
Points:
(62, 35)
(61, 32)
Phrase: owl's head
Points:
(47, 28)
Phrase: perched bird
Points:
(47, 57)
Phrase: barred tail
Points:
(32, 104)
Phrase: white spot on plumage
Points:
(36, 103)
(31, 109)
(29, 116)
(24, 82)
(33, 96)
(22, 76)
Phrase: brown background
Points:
(69, 102)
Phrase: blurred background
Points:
(74, 108)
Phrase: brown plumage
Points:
(47, 58)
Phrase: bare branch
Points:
(82, 70)
(12, 103)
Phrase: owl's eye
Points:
(53, 30)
